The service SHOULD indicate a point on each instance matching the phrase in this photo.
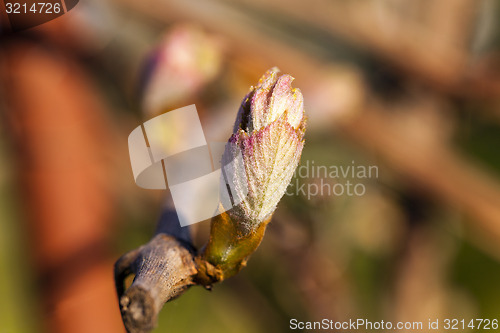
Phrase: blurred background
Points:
(411, 87)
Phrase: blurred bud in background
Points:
(186, 59)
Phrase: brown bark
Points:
(164, 269)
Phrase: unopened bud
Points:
(269, 135)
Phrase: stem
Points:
(228, 249)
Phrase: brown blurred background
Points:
(411, 87)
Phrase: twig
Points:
(164, 268)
